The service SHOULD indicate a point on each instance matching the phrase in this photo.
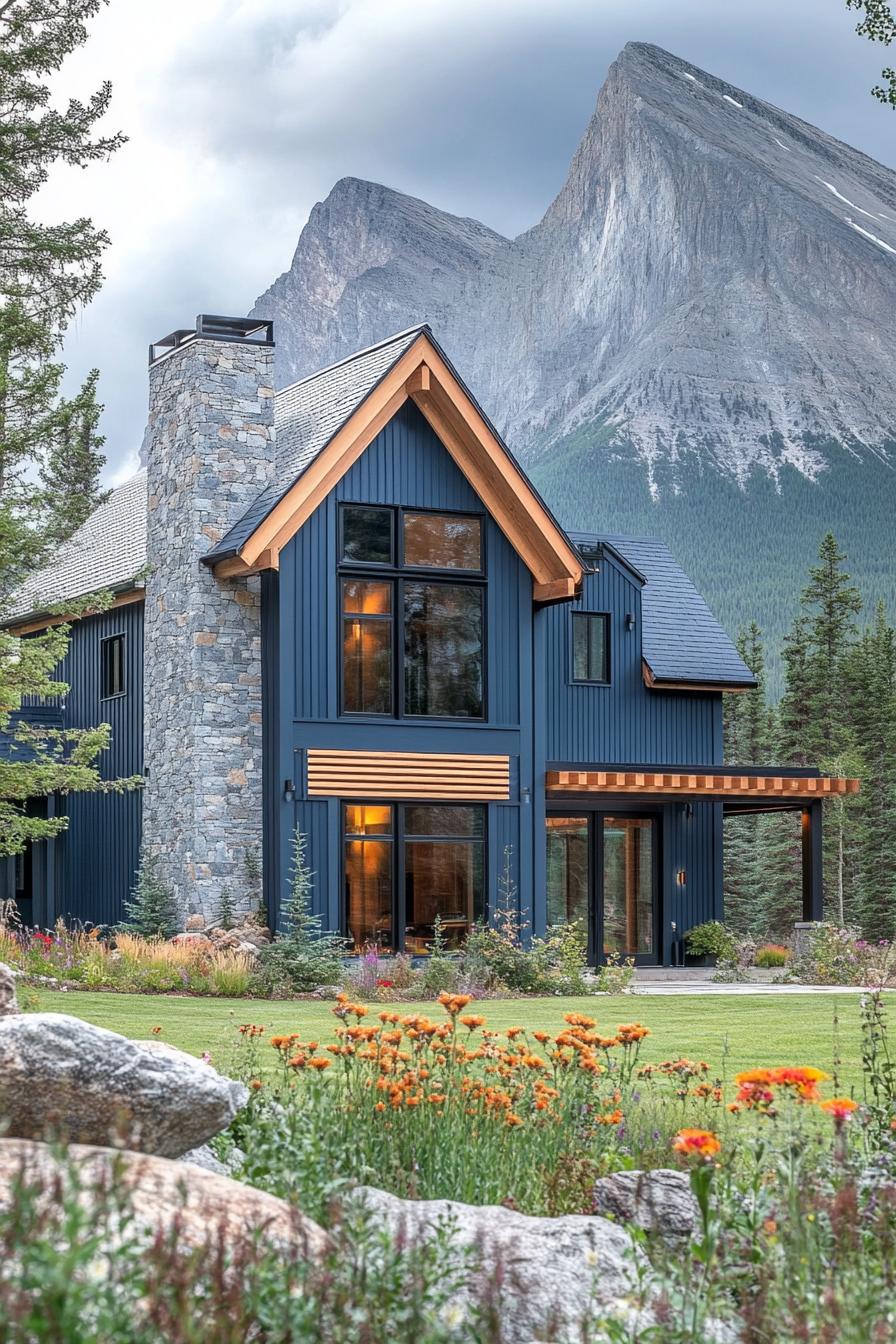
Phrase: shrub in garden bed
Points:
(82, 959)
(772, 955)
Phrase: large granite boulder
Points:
(62, 1077)
(659, 1201)
(202, 1206)
(548, 1274)
(9, 1006)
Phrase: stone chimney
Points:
(209, 452)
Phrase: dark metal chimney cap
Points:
(210, 327)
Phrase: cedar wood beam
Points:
(421, 375)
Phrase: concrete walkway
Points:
(706, 987)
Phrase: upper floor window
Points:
(591, 647)
(412, 646)
(112, 666)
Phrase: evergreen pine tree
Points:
(793, 711)
(831, 603)
(152, 911)
(747, 894)
(304, 954)
(48, 270)
(870, 677)
(71, 471)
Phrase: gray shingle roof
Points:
(681, 639)
(307, 415)
(108, 551)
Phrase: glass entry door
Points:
(628, 886)
(602, 869)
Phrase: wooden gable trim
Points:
(718, 784)
(703, 687)
(45, 622)
(423, 376)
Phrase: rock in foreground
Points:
(9, 1006)
(659, 1201)
(548, 1274)
(61, 1077)
(206, 1207)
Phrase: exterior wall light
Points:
(289, 790)
(630, 620)
(681, 877)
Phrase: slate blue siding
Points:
(97, 857)
(624, 722)
(406, 465)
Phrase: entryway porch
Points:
(636, 852)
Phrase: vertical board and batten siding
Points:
(97, 857)
(625, 722)
(406, 466)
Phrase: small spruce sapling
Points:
(252, 869)
(226, 909)
(152, 911)
(307, 956)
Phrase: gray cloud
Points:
(244, 117)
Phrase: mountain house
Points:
(343, 608)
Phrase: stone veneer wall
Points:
(210, 451)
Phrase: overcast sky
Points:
(243, 113)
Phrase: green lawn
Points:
(736, 1031)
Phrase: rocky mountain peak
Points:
(712, 288)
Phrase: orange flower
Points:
(696, 1142)
(472, 1021)
(631, 1032)
(579, 1020)
(541, 1036)
(255, 1084)
(513, 1032)
(380, 1106)
(839, 1108)
(512, 1119)
(611, 1118)
(320, 1063)
(454, 1003)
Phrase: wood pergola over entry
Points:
(741, 789)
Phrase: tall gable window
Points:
(412, 637)
(112, 667)
(591, 647)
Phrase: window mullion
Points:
(398, 873)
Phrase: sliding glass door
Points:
(602, 869)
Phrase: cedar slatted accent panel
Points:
(706, 785)
(406, 774)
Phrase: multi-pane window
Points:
(112, 666)
(412, 646)
(407, 866)
(366, 646)
(591, 646)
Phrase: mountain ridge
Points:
(709, 295)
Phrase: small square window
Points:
(112, 666)
(591, 646)
(366, 535)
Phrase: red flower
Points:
(696, 1142)
(44, 938)
(385, 984)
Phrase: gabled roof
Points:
(307, 414)
(325, 422)
(108, 551)
(681, 641)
